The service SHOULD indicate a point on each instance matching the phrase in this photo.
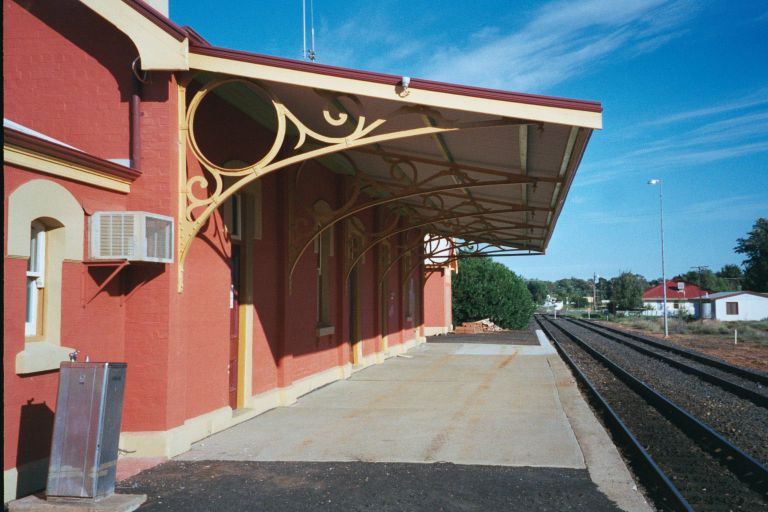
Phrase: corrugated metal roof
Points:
(690, 291)
(723, 295)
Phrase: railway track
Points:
(746, 383)
(682, 448)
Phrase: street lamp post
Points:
(657, 181)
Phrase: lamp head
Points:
(654, 181)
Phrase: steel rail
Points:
(721, 365)
(732, 387)
(743, 466)
(653, 477)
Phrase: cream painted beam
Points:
(388, 92)
(29, 159)
(157, 48)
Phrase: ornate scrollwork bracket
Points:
(202, 194)
(405, 181)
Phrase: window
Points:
(233, 217)
(322, 253)
(408, 288)
(36, 267)
(731, 308)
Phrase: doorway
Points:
(355, 343)
(234, 323)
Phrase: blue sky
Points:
(684, 87)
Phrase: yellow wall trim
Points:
(57, 167)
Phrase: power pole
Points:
(594, 291)
(701, 269)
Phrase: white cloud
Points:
(757, 98)
(562, 39)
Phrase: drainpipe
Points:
(138, 79)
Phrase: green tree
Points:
(579, 301)
(755, 247)
(730, 271)
(628, 291)
(539, 290)
(706, 279)
(604, 289)
(733, 275)
(486, 289)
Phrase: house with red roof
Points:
(681, 298)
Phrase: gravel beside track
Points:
(736, 419)
(741, 381)
(704, 481)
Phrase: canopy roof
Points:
(485, 166)
(482, 165)
(496, 169)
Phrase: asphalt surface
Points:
(224, 486)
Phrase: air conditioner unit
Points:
(133, 236)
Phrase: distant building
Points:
(552, 302)
(681, 298)
(735, 305)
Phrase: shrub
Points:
(486, 289)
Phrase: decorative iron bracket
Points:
(204, 193)
(427, 223)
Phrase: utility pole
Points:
(658, 182)
(594, 291)
(701, 269)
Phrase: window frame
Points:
(323, 280)
(36, 274)
(233, 217)
(323, 246)
(732, 308)
(407, 289)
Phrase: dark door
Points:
(234, 324)
(354, 316)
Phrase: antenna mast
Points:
(308, 53)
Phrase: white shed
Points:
(729, 306)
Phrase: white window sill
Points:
(41, 356)
(325, 330)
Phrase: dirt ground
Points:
(749, 354)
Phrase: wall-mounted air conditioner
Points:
(133, 236)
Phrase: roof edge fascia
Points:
(15, 138)
(585, 114)
(162, 45)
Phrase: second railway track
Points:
(716, 462)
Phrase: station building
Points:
(239, 229)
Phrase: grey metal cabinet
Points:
(86, 429)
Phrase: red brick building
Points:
(240, 229)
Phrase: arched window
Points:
(45, 227)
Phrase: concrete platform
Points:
(112, 503)
(469, 404)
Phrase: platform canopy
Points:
(487, 167)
